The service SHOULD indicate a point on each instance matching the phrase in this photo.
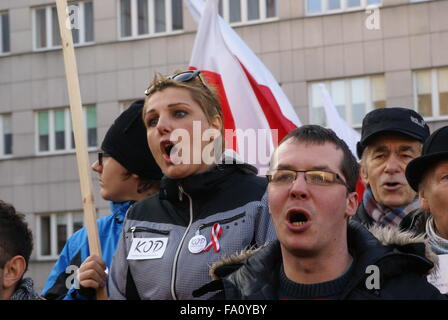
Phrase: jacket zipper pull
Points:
(181, 191)
(132, 232)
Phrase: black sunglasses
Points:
(185, 77)
(102, 155)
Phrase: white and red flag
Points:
(337, 123)
(341, 128)
(253, 103)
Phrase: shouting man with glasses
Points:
(319, 254)
(127, 172)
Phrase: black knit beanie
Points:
(125, 141)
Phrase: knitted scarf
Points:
(383, 215)
(25, 291)
(438, 244)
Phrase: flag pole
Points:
(79, 130)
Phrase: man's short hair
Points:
(15, 236)
(315, 134)
(144, 185)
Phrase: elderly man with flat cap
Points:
(428, 175)
(390, 139)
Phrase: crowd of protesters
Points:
(213, 229)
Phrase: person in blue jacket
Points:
(127, 173)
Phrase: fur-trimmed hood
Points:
(402, 259)
(393, 236)
(403, 241)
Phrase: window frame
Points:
(54, 254)
(69, 148)
(435, 98)
(244, 10)
(49, 27)
(151, 23)
(4, 53)
(124, 105)
(348, 98)
(4, 155)
(344, 7)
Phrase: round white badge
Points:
(197, 244)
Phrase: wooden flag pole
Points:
(79, 130)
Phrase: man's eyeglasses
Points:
(184, 77)
(102, 155)
(285, 177)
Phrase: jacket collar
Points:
(119, 210)
(201, 184)
(261, 271)
(388, 248)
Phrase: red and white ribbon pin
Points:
(214, 237)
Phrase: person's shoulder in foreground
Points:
(389, 264)
(16, 245)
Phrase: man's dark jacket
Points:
(362, 216)
(402, 263)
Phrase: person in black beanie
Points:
(126, 143)
(127, 173)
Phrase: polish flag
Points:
(341, 128)
(257, 114)
(337, 123)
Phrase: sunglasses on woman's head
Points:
(185, 77)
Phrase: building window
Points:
(53, 231)
(244, 11)
(54, 131)
(124, 105)
(6, 135)
(431, 92)
(4, 33)
(140, 18)
(353, 98)
(318, 7)
(46, 25)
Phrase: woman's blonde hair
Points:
(201, 92)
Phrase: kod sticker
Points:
(197, 243)
(147, 248)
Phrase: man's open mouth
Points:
(391, 185)
(298, 218)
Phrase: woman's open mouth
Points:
(166, 147)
